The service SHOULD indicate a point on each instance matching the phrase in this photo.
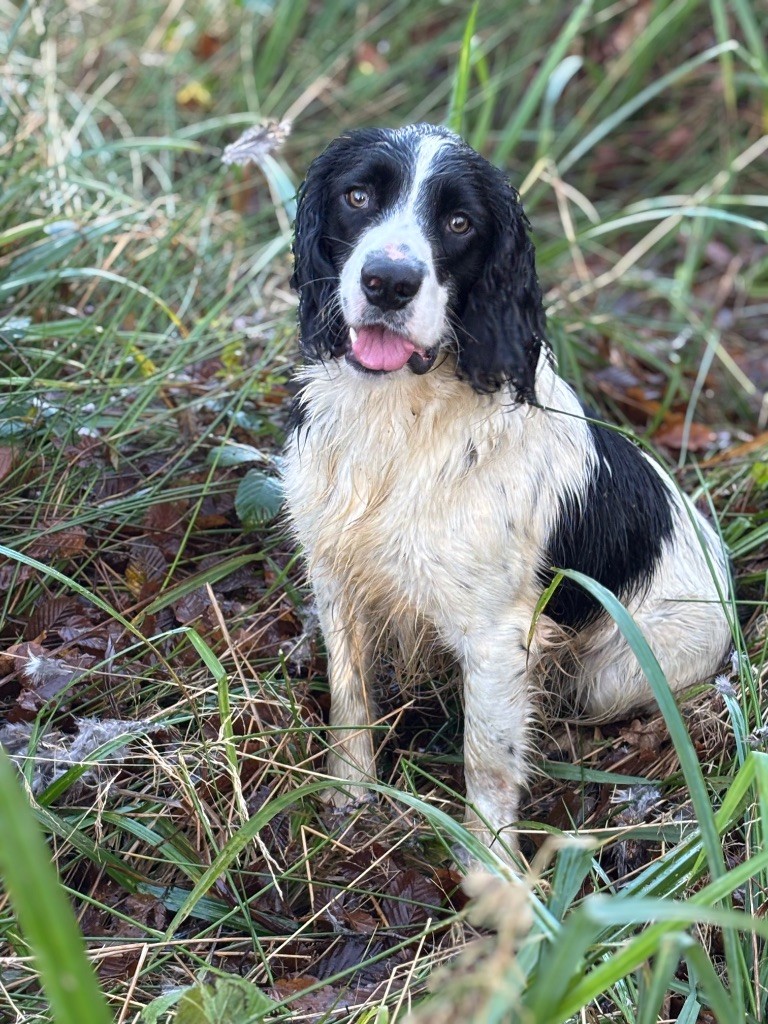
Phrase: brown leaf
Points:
(47, 615)
(345, 953)
(644, 736)
(361, 922)
(320, 1001)
(755, 444)
(146, 568)
(81, 630)
(700, 438)
(146, 910)
(191, 606)
(166, 517)
(11, 572)
(290, 986)
(64, 543)
(412, 899)
(207, 45)
(6, 462)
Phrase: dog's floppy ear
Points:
(321, 325)
(502, 326)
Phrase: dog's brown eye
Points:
(357, 198)
(459, 223)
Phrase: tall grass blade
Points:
(683, 745)
(684, 748)
(537, 88)
(651, 994)
(463, 75)
(46, 917)
(637, 102)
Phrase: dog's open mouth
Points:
(377, 348)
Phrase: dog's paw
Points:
(347, 797)
(503, 845)
(505, 862)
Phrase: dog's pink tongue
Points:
(380, 349)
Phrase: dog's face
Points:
(409, 244)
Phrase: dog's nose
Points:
(391, 284)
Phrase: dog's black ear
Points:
(321, 325)
(501, 330)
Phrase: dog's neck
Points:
(338, 389)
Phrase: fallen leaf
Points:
(47, 615)
(698, 437)
(645, 737)
(165, 517)
(412, 899)
(320, 1001)
(191, 606)
(6, 462)
(207, 45)
(55, 543)
(195, 95)
(146, 569)
(361, 922)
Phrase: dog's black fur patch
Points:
(614, 532)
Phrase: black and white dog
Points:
(440, 469)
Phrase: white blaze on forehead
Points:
(429, 147)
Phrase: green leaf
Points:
(258, 499)
(233, 454)
(573, 862)
(228, 1001)
(154, 1010)
(666, 961)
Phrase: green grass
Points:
(162, 688)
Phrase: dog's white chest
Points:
(408, 495)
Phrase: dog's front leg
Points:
(498, 713)
(347, 641)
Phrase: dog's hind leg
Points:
(689, 639)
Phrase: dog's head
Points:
(409, 244)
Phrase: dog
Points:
(439, 471)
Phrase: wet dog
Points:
(440, 469)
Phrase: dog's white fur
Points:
(408, 539)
